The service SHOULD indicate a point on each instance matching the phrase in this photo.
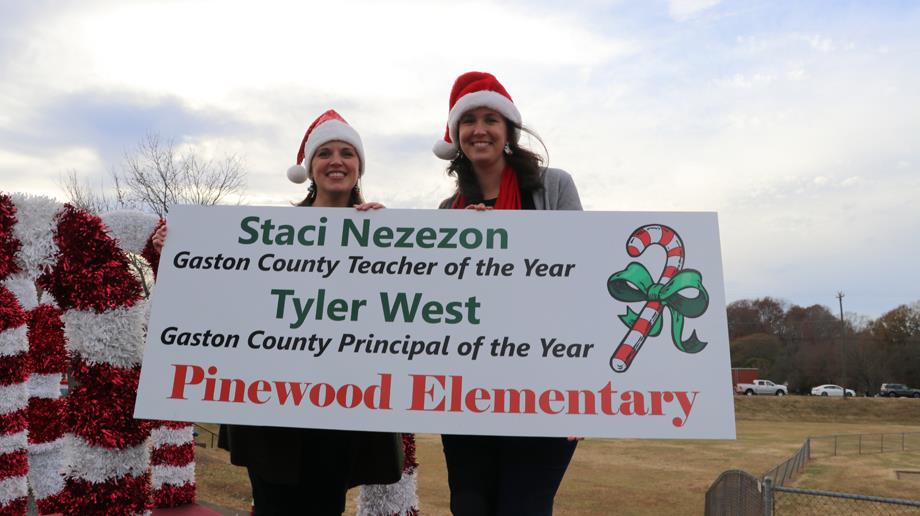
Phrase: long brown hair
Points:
(354, 198)
(527, 164)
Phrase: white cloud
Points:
(683, 9)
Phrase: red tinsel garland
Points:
(15, 507)
(9, 244)
(173, 454)
(14, 464)
(46, 340)
(14, 422)
(14, 368)
(126, 495)
(91, 271)
(46, 419)
(173, 496)
(175, 425)
(409, 450)
(11, 314)
(102, 405)
(53, 504)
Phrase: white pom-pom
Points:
(297, 174)
(444, 150)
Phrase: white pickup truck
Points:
(761, 387)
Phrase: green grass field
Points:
(629, 476)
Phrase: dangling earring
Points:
(356, 189)
(312, 188)
(507, 149)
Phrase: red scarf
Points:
(509, 194)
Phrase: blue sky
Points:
(797, 121)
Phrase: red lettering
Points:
(258, 387)
(456, 394)
(295, 390)
(548, 397)
(319, 389)
(575, 398)
(209, 385)
(238, 391)
(343, 398)
(514, 401)
(476, 395)
(383, 401)
(420, 389)
(180, 380)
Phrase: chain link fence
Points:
(861, 444)
(791, 468)
(735, 493)
(739, 493)
(790, 500)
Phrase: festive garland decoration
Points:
(173, 464)
(48, 358)
(14, 373)
(90, 298)
(13, 405)
(90, 313)
(399, 499)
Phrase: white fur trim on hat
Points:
(297, 174)
(328, 131)
(477, 99)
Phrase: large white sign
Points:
(540, 323)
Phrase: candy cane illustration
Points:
(639, 241)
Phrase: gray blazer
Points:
(558, 193)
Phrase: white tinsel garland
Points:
(14, 341)
(12, 488)
(387, 499)
(173, 475)
(45, 385)
(34, 225)
(46, 468)
(12, 442)
(162, 436)
(13, 397)
(100, 464)
(23, 287)
(131, 229)
(114, 337)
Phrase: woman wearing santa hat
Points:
(309, 471)
(498, 475)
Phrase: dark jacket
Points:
(279, 454)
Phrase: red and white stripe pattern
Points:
(172, 459)
(47, 356)
(638, 242)
(78, 259)
(399, 499)
(14, 372)
(173, 464)
(14, 399)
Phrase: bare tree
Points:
(82, 194)
(157, 176)
(154, 177)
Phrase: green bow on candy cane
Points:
(634, 283)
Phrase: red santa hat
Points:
(474, 90)
(330, 126)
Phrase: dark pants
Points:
(504, 476)
(326, 468)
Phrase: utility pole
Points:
(843, 344)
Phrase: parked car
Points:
(893, 390)
(831, 390)
(761, 387)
